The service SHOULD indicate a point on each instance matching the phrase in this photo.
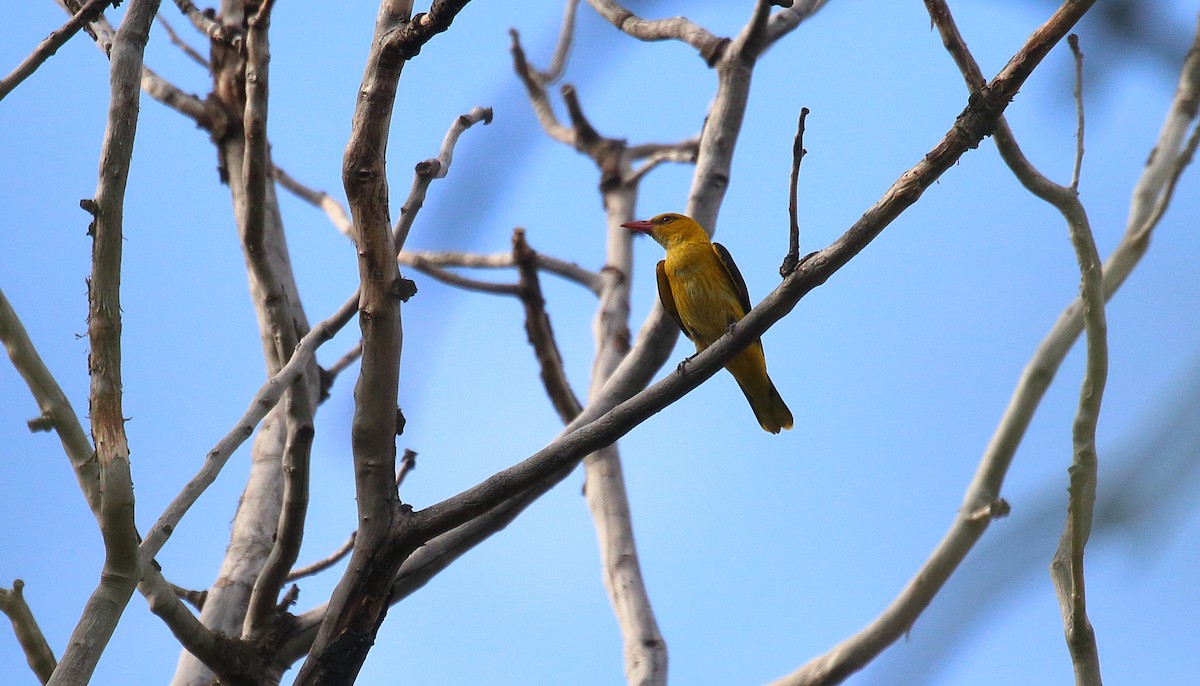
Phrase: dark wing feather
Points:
(666, 298)
(735, 276)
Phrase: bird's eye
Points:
(665, 219)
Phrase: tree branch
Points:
(206, 25)
(122, 565)
(595, 427)
(33, 643)
(1151, 195)
(434, 168)
(264, 401)
(1066, 569)
(682, 29)
(55, 407)
(798, 152)
(786, 20)
(566, 35)
(52, 43)
(540, 333)
(428, 261)
(182, 44)
(360, 599)
(319, 199)
(58, 414)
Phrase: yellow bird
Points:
(703, 291)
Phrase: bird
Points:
(701, 288)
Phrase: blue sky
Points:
(759, 551)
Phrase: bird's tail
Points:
(772, 413)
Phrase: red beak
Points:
(639, 226)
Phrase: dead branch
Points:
(122, 565)
(319, 199)
(33, 643)
(182, 44)
(540, 333)
(428, 261)
(205, 24)
(798, 152)
(52, 43)
(361, 596)
(675, 28)
(596, 427)
(434, 168)
(264, 400)
(1151, 194)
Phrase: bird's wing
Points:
(735, 277)
(665, 296)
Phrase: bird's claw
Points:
(682, 368)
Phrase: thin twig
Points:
(408, 462)
(183, 45)
(798, 153)
(1073, 41)
(344, 361)
(52, 43)
(196, 598)
(58, 414)
(434, 168)
(566, 34)
(465, 282)
(536, 90)
(786, 20)
(319, 199)
(683, 152)
(570, 271)
(264, 401)
(55, 407)
(540, 332)
(323, 564)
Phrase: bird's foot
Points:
(682, 368)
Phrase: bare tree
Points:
(245, 631)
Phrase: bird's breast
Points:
(704, 298)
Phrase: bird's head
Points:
(669, 228)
